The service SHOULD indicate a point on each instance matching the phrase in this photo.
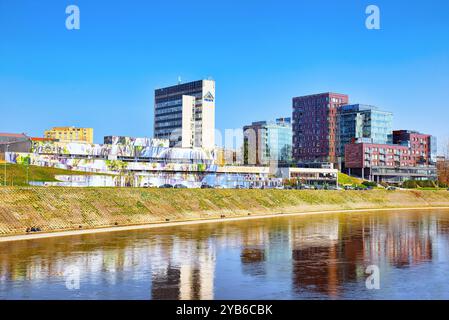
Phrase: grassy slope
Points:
(344, 179)
(67, 208)
(16, 174)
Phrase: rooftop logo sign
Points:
(209, 97)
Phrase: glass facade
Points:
(268, 141)
(365, 123)
(433, 150)
(279, 140)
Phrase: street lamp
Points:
(4, 176)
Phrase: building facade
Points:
(185, 114)
(133, 142)
(423, 146)
(70, 134)
(362, 122)
(266, 142)
(315, 127)
(140, 163)
(14, 142)
(386, 163)
(311, 176)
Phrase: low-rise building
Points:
(386, 163)
(311, 176)
(14, 142)
(136, 165)
(70, 134)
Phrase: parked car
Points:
(206, 186)
(148, 185)
(166, 186)
(180, 186)
(390, 188)
(288, 188)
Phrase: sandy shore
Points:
(33, 236)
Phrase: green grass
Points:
(17, 174)
(430, 189)
(344, 179)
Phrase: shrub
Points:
(413, 184)
(410, 184)
(427, 184)
(369, 184)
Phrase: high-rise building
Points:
(363, 123)
(315, 127)
(70, 134)
(265, 142)
(185, 114)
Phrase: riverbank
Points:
(43, 235)
(105, 209)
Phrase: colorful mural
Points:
(103, 165)
(129, 150)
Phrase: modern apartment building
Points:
(185, 114)
(70, 134)
(265, 142)
(362, 122)
(423, 146)
(315, 128)
(386, 163)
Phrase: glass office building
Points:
(364, 123)
(268, 141)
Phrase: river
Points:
(326, 256)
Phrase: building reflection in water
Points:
(322, 255)
(187, 273)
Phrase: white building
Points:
(185, 114)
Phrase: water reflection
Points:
(319, 256)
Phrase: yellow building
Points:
(71, 134)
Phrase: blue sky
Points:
(261, 54)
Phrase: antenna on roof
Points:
(179, 80)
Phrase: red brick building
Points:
(419, 144)
(387, 162)
(315, 127)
